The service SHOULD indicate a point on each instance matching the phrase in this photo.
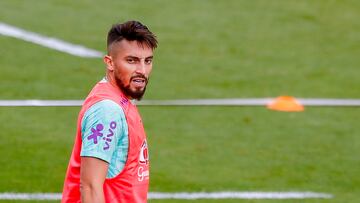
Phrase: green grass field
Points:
(208, 49)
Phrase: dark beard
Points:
(128, 92)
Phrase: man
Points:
(109, 162)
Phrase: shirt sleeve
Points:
(101, 128)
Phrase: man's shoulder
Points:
(105, 106)
(102, 113)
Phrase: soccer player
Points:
(110, 162)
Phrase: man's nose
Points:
(141, 68)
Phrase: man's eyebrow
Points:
(131, 56)
(136, 57)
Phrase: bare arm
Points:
(92, 176)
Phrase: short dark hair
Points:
(131, 31)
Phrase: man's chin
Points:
(135, 93)
(137, 89)
(131, 91)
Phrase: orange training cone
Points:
(285, 103)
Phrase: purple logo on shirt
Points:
(124, 101)
(109, 135)
(96, 133)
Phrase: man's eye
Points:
(130, 60)
(148, 61)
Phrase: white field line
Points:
(185, 195)
(191, 102)
(239, 195)
(48, 42)
(41, 102)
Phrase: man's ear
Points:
(109, 62)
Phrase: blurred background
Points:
(207, 49)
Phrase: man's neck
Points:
(111, 80)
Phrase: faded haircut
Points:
(131, 31)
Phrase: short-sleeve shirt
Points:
(104, 133)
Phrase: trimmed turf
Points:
(208, 49)
(225, 49)
(248, 149)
